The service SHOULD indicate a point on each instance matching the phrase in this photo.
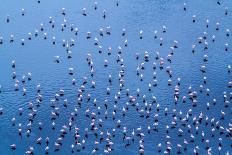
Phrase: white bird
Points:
(84, 12)
(23, 11)
(194, 18)
(95, 5)
(71, 71)
(13, 146)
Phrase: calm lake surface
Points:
(37, 57)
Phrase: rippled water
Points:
(37, 56)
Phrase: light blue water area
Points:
(37, 57)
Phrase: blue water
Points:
(37, 57)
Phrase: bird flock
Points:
(99, 123)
